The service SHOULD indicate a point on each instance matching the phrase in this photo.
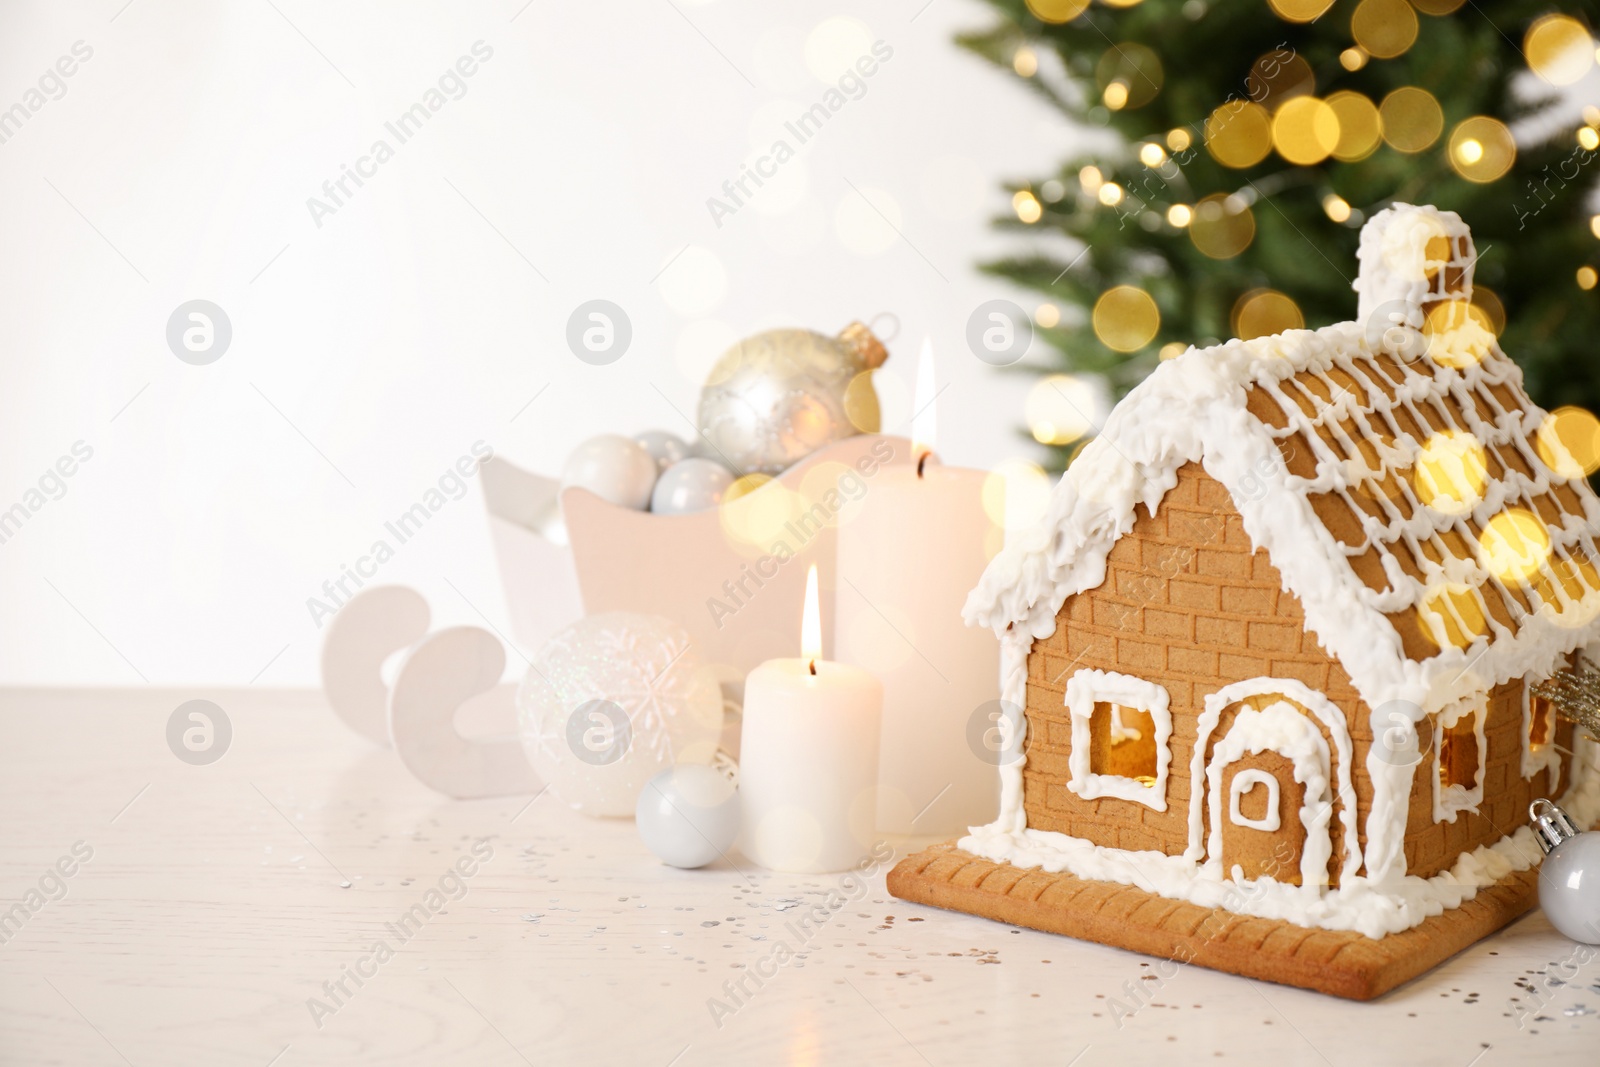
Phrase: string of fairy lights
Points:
(1283, 115)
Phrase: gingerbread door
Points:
(1262, 835)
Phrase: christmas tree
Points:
(1246, 142)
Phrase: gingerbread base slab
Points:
(1341, 963)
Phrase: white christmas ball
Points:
(665, 448)
(614, 468)
(689, 485)
(688, 815)
(611, 701)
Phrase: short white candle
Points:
(809, 757)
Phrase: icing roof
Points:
(1392, 468)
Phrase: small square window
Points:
(1121, 726)
(1459, 757)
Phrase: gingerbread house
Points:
(1270, 651)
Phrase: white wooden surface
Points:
(212, 910)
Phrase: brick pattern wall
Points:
(1431, 847)
(1188, 605)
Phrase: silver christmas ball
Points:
(690, 485)
(688, 815)
(613, 468)
(665, 448)
(775, 398)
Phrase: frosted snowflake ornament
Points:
(611, 701)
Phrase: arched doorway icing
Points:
(1278, 746)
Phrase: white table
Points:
(212, 910)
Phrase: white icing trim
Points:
(1451, 800)
(1545, 757)
(1358, 904)
(1283, 729)
(1087, 688)
(1193, 409)
(1243, 783)
(1313, 702)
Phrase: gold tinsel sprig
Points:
(1575, 692)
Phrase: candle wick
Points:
(922, 461)
(813, 666)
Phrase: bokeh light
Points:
(1137, 68)
(1360, 128)
(1384, 28)
(1588, 138)
(1026, 205)
(1091, 179)
(1047, 315)
(1277, 77)
(1559, 49)
(1126, 318)
(1336, 207)
(1222, 226)
(1299, 10)
(1151, 155)
(1450, 472)
(1172, 350)
(1062, 408)
(1109, 194)
(1025, 61)
(1569, 442)
(1305, 131)
(1057, 11)
(1587, 277)
(1452, 615)
(1179, 215)
(1412, 119)
(1263, 312)
(1179, 140)
(1437, 7)
(1481, 149)
(1016, 494)
(1353, 59)
(1458, 333)
(1239, 134)
(1515, 545)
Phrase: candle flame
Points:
(811, 623)
(924, 418)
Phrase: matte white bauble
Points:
(614, 468)
(690, 485)
(665, 448)
(688, 815)
(610, 702)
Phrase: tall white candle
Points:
(809, 757)
(906, 563)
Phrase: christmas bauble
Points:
(611, 701)
(614, 468)
(665, 448)
(688, 815)
(690, 485)
(775, 398)
(1569, 879)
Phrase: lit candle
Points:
(809, 757)
(906, 562)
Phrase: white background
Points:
(414, 321)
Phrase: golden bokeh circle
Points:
(1481, 149)
(1027, 206)
(1569, 442)
(1450, 472)
(1179, 139)
(1437, 7)
(1135, 67)
(1178, 215)
(1305, 131)
(1458, 333)
(1299, 10)
(1360, 128)
(1515, 545)
(1385, 28)
(1239, 134)
(1587, 278)
(1412, 119)
(1059, 409)
(1057, 11)
(1126, 318)
(1222, 226)
(1263, 312)
(861, 404)
(1559, 49)
(1336, 207)
(1279, 76)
